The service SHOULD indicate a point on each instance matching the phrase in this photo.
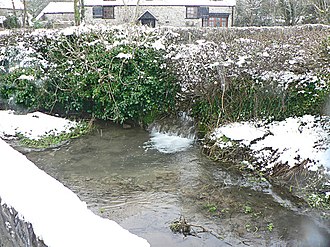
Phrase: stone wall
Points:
(165, 15)
(14, 232)
(59, 17)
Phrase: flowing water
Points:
(147, 181)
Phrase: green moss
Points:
(54, 140)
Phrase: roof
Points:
(147, 15)
(7, 4)
(216, 3)
(57, 8)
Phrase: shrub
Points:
(87, 76)
(20, 87)
(11, 22)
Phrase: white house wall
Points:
(57, 17)
(165, 15)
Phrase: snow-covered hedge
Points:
(116, 74)
(224, 74)
(252, 72)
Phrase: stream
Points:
(147, 181)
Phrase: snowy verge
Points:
(294, 141)
(57, 215)
(32, 125)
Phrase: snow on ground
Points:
(32, 125)
(291, 142)
(56, 213)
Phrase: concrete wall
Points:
(165, 15)
(14, 232)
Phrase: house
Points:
(57, 13)
(179, 13)
(7, 8)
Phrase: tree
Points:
(14, 8)
(256, 13)
(82, 11)
(25, 14)
(246, 12)
(76, 12)
(276, 12)
(322, 10)
(292, 11)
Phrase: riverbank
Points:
(294, 152)
(56, 214)
(224, 79)
(109, 170)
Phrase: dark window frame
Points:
(111, 12)
(215, 21)
(97, 12)
(104, 12)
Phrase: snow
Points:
(26, 77)
(57, 7)
(289, 142)
(246, 132)
(158, 45)
(124, 56)
(33, 125)
(56, 213)
(242, 60)
(7, 4)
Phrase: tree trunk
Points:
(14, 9)
(25, 16)
(136, 11)
(76, 12)
(82, 11)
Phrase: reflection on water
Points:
(121, 175)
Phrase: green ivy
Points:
(24, 92)
(85, 77)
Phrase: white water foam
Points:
(168, 143)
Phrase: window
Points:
(203, 11)
(108, 12)
(97, 12)
(192, 12)
(104, 12)
(215, 21)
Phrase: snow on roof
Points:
(57, 8)
(163, 2)
(7, 4)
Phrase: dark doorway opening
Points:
(148, 19)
